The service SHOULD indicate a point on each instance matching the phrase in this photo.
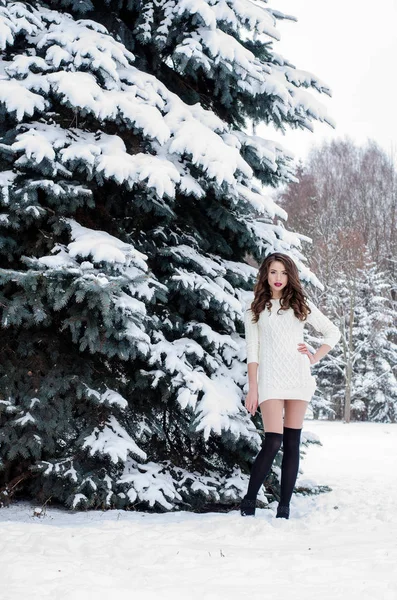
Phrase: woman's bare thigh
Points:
(272, 415)
(294, 413)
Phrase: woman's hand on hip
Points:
(251, 401)
(303, 349)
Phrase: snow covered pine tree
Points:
(130, 191)
(362, 370)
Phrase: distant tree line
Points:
(345, 200)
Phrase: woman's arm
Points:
(252, 375)
(318, 355)
(253, 345)
(322, 324)
(251, 337)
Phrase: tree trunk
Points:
(349, 362)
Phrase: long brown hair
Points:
(292, 295)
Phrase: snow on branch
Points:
(113, 440)
(102, 246)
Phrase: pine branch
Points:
(7, 491)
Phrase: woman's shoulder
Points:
(310, 303)
(315, 312)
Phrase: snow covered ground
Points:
(337, 545)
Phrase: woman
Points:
(279, 375)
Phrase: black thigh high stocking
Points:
(263, 462)
(290, 463)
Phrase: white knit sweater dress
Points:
(283, 371)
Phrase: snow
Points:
(306, 79)
(139, 100)
(102, 246)
(199, 7)
(219, 409)
(114, 441)
(208, 151)
(336, 545)
(18, 99)
(252, 15)
(62, 259)
(262, 203)
(16, 19)
(110, 397)
(27, 418)
(188, 149)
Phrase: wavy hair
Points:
(293, 295)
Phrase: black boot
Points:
(260, 469)
(282, 512)
(289, 469)
(247, 507)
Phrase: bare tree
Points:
(345, 201)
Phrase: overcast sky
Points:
(351, 45)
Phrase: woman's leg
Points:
(295, 411)
(293, 421)
(272, 416)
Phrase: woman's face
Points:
(277, 277)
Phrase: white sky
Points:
(351, 45)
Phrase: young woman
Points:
(279, 375)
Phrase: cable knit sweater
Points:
(283, 371)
